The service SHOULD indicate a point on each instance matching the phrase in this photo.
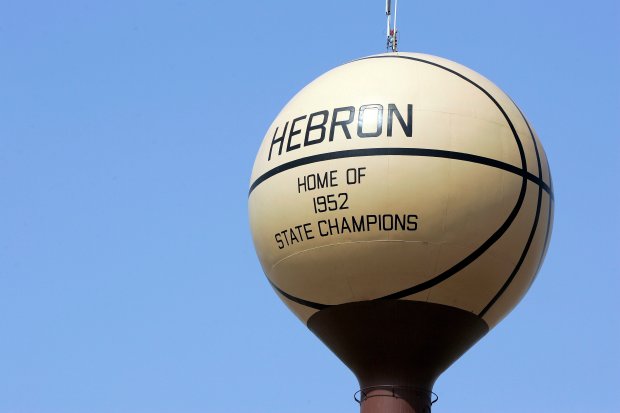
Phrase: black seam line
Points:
(548, 188)
(436, 153)
(497, 234)
(529, 128)
(470, 258)
(439, 278)
(297, 299)
(547, 233)
(547, 230)
(547, 236)
(545, 245)
(526, 248)
(550, 212)
(521, 259)
(468, 80)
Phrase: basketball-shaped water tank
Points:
(405, 179)
(401, 176)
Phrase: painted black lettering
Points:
(322, 181)
(320, 126)
(342, 123)
(294, 238)
(285, 237)
(323, 234)
(294, 132)
(359, 226)
(279, 241)
(345, 225)
(387, 222)
(333, 226)
(275, 140)
(371, 220)
(360, 121)
(301, 184)
(308, 231)
(407, 126)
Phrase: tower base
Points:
(395, 399)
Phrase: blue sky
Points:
(128, 279)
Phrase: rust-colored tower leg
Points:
(397, 348)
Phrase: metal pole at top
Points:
(391, 31)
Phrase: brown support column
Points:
(397, 348)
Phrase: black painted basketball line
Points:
(519, 263)
(469, 259)
(297, 299)
(389, 56)
(551, 202)
(526, 248)
(487, 244)
(434, 153)
(547, 231)
(498, 234)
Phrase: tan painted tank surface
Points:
(401, 177)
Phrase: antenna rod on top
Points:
(392, 33)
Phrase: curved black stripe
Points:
(549, 213)
(520, 262)
(532, 232)
(496, 235)
(297, 299)
(548, 188)
(437, 153)
(502, 229)
(547, 231)
(470, 258)
(551, 202)
(311, 159)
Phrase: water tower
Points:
(400, 205)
